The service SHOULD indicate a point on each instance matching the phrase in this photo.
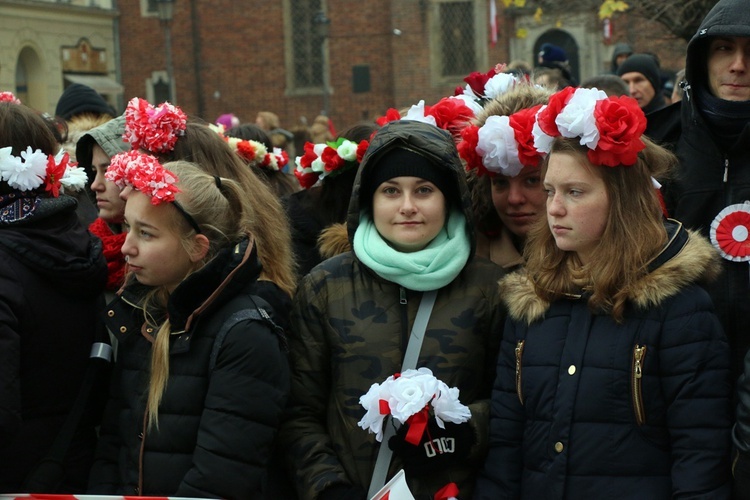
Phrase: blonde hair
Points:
(634, 234)
(267, 220)
(224, 214)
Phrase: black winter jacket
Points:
(710, 177)
(216, 426)
(584, 407)
(52, 276)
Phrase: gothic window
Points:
(305, 60)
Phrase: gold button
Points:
(572, 370)
(150, 330)
(123, 329)
(111, 313)
(559, 447)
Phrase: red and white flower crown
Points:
(34, 168)
(256, 154)
(9, 97)
(449, 113)
(155, 129)
(328, 160)
(503, 145)
(610, 127)
(144, 173)
(483, 86)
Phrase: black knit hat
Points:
(77, 99)
(404, 162)
(644, 64)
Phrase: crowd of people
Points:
(528, 289)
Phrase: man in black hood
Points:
(710, 132)
(641, 73)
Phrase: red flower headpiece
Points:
(329, 159)
(256, 154)
(155, 129)
(611, 127)
(503, 145)
(144, 173)
(9, 97)
(449, 113)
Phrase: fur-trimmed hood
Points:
(688, 258)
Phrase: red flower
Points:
(361, 150)
(450, 114)
(467, 150)
(390, 116)
(246, 150)
(477, 81)
(522, 123)
(55, 173)
(331, 159)
(557, 102)
(309, 156)
(621, 123)
(306, 180)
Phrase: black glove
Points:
(439, 448)
(343, 492)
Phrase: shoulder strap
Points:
(411, 357)
(258, 313)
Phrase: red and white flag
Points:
(493, 22)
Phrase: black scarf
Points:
(726, 119)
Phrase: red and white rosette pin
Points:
(730, 232)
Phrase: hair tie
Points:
(217, 179)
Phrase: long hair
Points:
(268, 222)
(633, 236)
(224, 216)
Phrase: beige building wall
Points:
(32, 37)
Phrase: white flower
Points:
(74, 179)
(373, 419)
(447, 406)
(499, 85)
(577, 117)
(411, 392)
(468, 91)
(497, 146)
(416, 113)
(542, 141)
(470, 101)
(347, 150)
(24, 173)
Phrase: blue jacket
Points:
(584, 407)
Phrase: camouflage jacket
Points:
(350, 330)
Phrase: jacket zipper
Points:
(639, 356)
(404, 319)
(519, 356)
(726, 170)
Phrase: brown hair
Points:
(634, 234)
(224, 215)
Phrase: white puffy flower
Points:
(347, 150)
(542, 141)
(471, 102)
(24, 173)
(373, 419)
(499, 85)
(416, 113)
(74, 179)
(411, 392)
(498, 147)
(577, 117)
(468, 91)
(447, 407)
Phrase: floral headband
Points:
(9, 97)
(144, 173)
(503, 145)
(257, 155)
(34, 168)
(610, 127)
(450, 113)
(155, 129)
(481, 87)
(328, 160)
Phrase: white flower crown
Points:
(35, 168)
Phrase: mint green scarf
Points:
(431, 268)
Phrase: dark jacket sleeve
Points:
(741, 433)
(104, 477)
(694, 373)
(500, 477)
(10, 366)
(247, 392)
